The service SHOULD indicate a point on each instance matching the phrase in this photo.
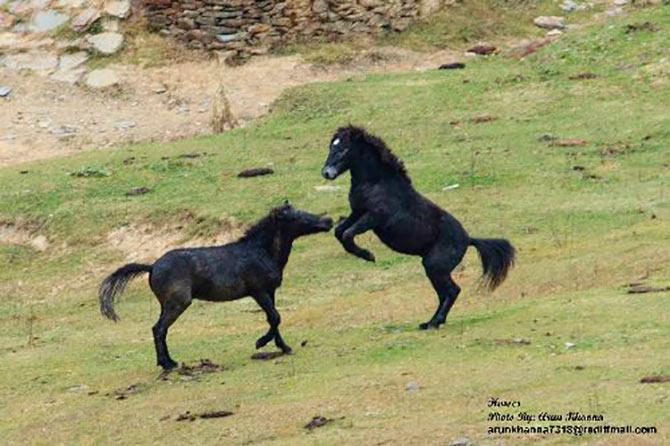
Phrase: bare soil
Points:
(44, 118)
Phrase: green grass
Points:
(467, 22)
(455, 27)
(581, 236)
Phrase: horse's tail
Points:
(497, 256)
(114, 285)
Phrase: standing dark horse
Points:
(252, 266)
(383, 200)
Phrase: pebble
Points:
(327, 188)
(461, 441)
(412, 386)
(4, 91)
(125, 125)
(63, 130)
(570, 6)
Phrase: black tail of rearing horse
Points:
(497, 256)
(114, 285)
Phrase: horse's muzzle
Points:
(326, 224)
(329, 172)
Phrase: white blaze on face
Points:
(336, 141)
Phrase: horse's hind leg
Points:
(447, 292)
(438, 268)
(173, 305)
(266, 302)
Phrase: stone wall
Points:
(254, 26)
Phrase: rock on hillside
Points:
(31, 37)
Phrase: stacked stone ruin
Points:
(255, 26)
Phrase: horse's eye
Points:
(336, 141)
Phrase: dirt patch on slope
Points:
(147, 242)
(16, 234)
(44, 118)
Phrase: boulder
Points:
(550, 22)
(70, 4)
(320, 6)
(8, 40)
(72, 60)
(84, 20)
(14, 42)
(102, 78)
(43, 21)
(6, 20)
(38, 4)
(20, 8)
(106, 43)
(68, 76)
(118, 8)
(36, 61)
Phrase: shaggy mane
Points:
(387, 157)
(264, 225)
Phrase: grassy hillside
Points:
(586, 219)
(456, 27)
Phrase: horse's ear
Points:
(286, 204)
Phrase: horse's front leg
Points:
(363, 224)
(345, 224)
(266, 301)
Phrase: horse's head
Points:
(339, 155)
(297, 222)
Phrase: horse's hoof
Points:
(428, 325)
(368, 256)
(286, 350)
(168, 365)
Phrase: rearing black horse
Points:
(383, 200)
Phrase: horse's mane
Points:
(263, 226)
(387, 157)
